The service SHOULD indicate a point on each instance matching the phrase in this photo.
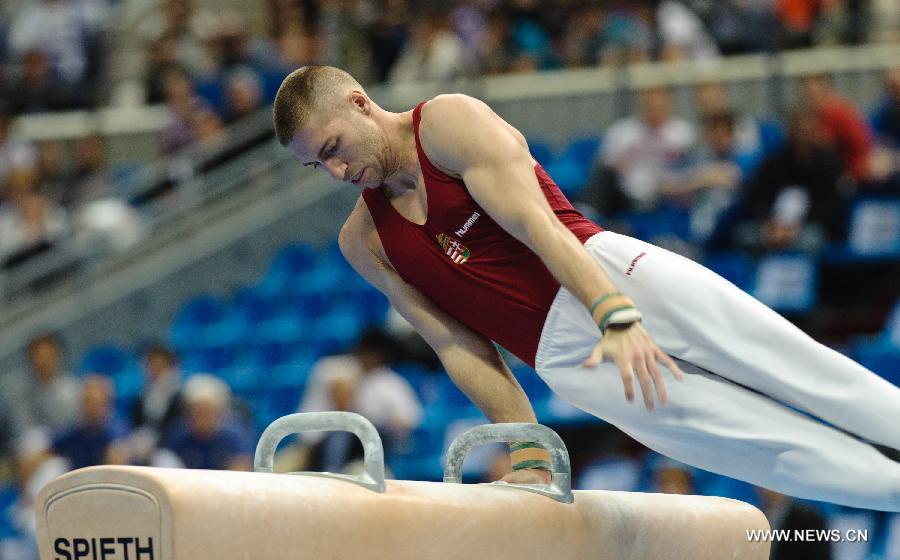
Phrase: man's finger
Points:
(670, 363)
(627, 378)
(643, 375)
(595, 358)
(657, 380)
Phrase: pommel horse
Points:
(144, 513)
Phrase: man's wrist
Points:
(528, 455)
(614, 309)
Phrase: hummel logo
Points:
(633, 263)
(462, 231)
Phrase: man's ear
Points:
(361, 102)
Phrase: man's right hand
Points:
(632, 349)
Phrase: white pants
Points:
(726, 342)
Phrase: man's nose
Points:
(337, 169)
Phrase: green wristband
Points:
(520, 445)
(533, 464)
(601, 299)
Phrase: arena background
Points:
(146, 210)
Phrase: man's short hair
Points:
(304, 91)
(51, 338)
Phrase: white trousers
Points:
(726, 342)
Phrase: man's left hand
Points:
(528, 476)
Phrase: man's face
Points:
(45, 359)
(349, 146)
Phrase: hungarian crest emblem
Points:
(457, 252)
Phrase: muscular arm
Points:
(471, 360)
(465, 138)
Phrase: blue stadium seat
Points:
(541, 152)
(336, 332)
(106, 359)
(583, 150)
(289, 264)
(734, 266)
(195, 314)
(569, 174)
(880, 355)
(787, 282)
(875, 228)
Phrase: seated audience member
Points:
(161, 402)
(46, 395)
(382, 395)
(13, 150)
(29, 221)
(711, 182)
(210, 437)
(98, 437)
(794, 200)
(182, 103)
(638, 155)
(359, 382)
(243, 94)
(786, 513)
(36, 465)
(712, 98)
(843, 125)
(672, 477)
(36, 89)
(886, 116)
(886, 123)
(432, 53)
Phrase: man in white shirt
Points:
(638, 152)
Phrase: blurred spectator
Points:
(382, 395)
(638, 154)
(183, 104)
(211, 438)
(432, 53)
(36, 465)
(67, 33)
(161, 58)
(47, 395)
(54, 171)
(672, 477)
(92, 178)
(493, 51)
(711, 182)
(244, 95)
(711, 98)
(298, 46)
(161, 402)
(842, 124)
(387, 35)
(29, 221)
(346, 25)
(794, 200)
(359, 382)
(182, 29)
(35, 88)
(798, 20)
(785, 513)
(627, 35)
(682, 33)
(97, 438)
(886, 116)
(11, 149)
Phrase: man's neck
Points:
(402, 160)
